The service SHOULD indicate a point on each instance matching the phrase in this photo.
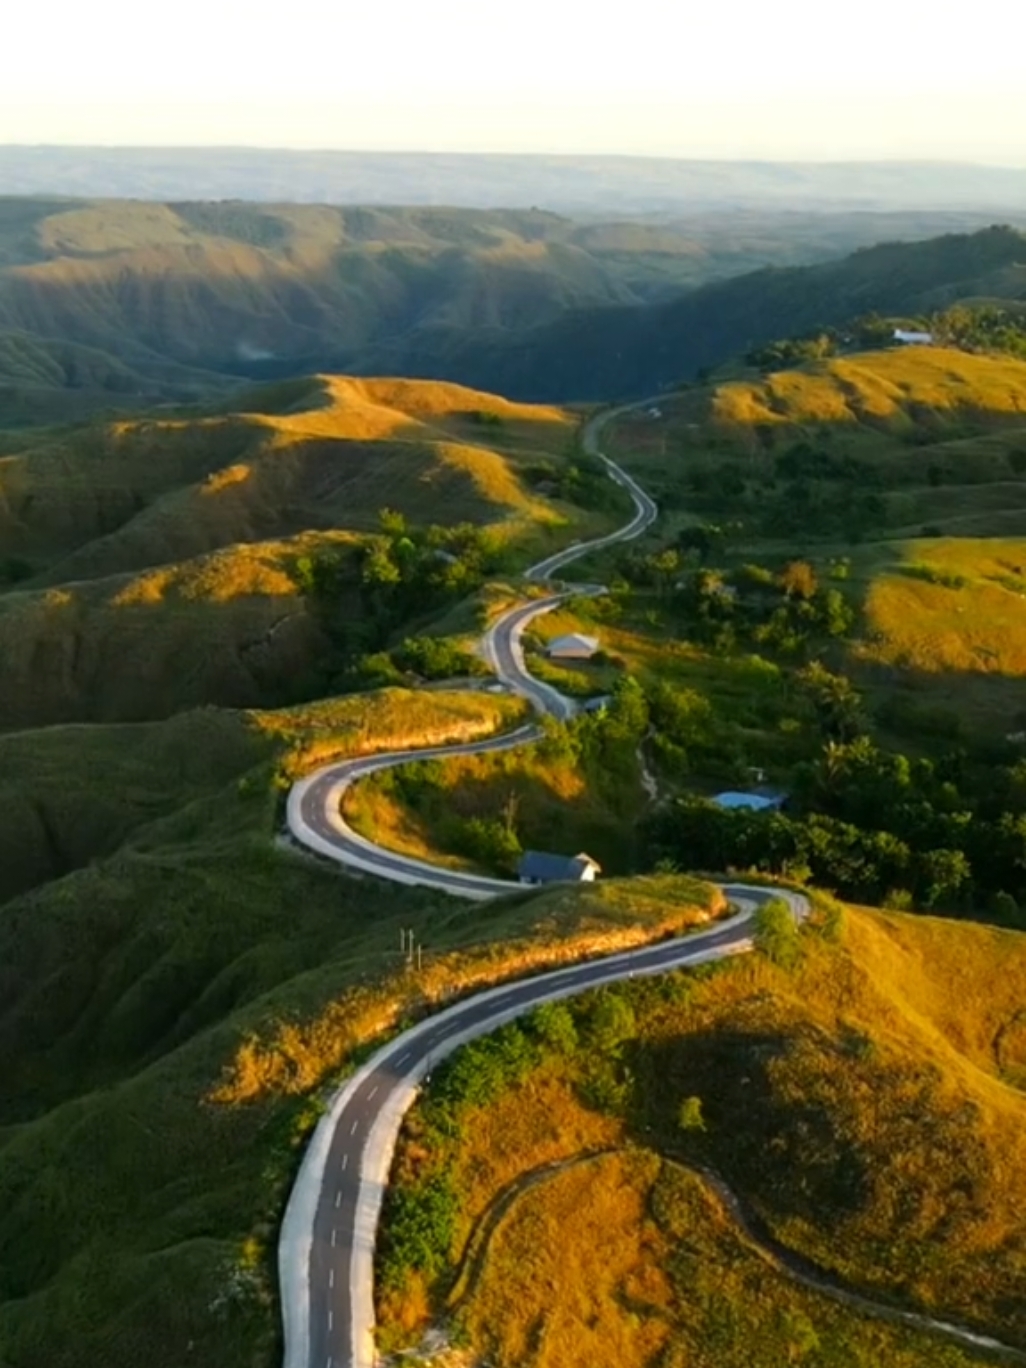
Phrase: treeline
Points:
(875, 826)
(972, 328)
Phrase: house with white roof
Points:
(573, 647)
(913, 339)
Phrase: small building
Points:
(913, 339)
(755, 802)
(538, 867)
(573, 647)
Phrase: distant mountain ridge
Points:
(569, 184)
(107, 304)
(619, 353)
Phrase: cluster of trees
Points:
(604, 743)
(399, 574)
(786, 609)
(421, 1207)
(977, 328)
(873, 825)
(582, 481)
(425, 657)
(867, 330)
(985, 327)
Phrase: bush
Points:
(776, 933)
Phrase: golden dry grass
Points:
(509, 939)
(145, 492)
(975, 622)
(386, 719)
(876, 387)
(583, 1263)
(624, 1259)
(892, 1057)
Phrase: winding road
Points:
(326, 1247)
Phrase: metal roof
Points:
(574, 642)
(756, 801)
(546, 868)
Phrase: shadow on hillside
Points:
(783, 1147)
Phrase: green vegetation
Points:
(577, 788)
(851, 1100)
(177, 992)
(109, 305)
(272, 550)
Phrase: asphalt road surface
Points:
(333, 1325)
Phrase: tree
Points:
(945, 873)
(798, 580)
(612, 1022)
(690, 1117)
(392, 523)
(554, 1024)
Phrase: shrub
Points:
(776, 933)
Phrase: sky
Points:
(938, 79)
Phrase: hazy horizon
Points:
(594, 155)
(902, 82)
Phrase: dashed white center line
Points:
(345, 1162)
(372, 1092)
(331, 1320)
(338, 1199)
(331, 1277)
(403, 1058)
(333, 1234)
(354, 1128)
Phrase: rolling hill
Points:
(862, 1106)
(226, 556)
(177, 991)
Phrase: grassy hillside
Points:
(318, 454)
(172, 1008)
(246, 558)
(74, 794)
(857, 1105)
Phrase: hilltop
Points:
(549, 1199)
